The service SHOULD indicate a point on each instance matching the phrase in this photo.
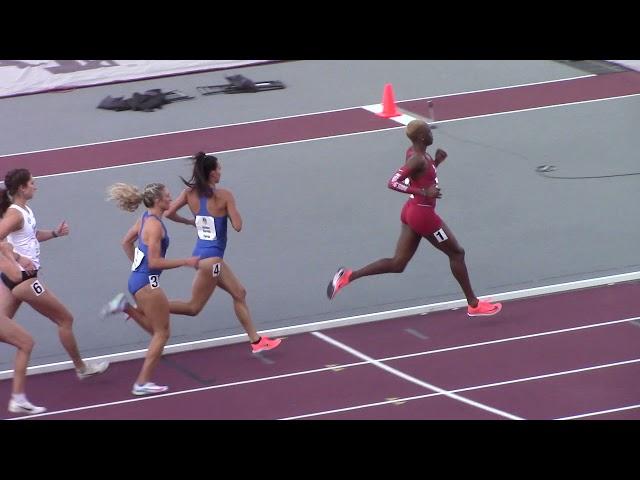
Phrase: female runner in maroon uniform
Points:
(419, 219)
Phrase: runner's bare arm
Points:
(152, 236)
(234, 214)
(129, 239)
(177, 204)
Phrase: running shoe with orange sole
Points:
(484, 309)
(265, 343)
(340, 280)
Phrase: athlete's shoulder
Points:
(188, 191)
(415, 159)
(152, 222)
(224, 193)
(13, 215)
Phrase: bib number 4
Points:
(216, 269)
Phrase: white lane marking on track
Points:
(601, 412)
(467, 389)
(285, 117)
(325, 369)
(409, 378)
(355, 320)
(403, 120)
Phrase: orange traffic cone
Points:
(389, 108)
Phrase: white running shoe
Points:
(116, 305)
(91, 369)
(148, 388)
(25, 406)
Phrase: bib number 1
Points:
(440, 235)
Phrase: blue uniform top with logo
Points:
(212, 233)
(141, 274)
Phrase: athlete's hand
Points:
(26, 263)
(440, 156)
(433, 192)
(63, 229)
(192, 262)
(7, 249)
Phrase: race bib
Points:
(216, 269)
(138, 256)
(154, 281)
(440, 236)
(206, 227)
(37, 288)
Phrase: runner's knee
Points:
(26, 344)
(194, 308)
(239, 295)
(457, 253)
(162, 333)
(64, 320)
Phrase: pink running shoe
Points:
(484, 309)
(340, 280)
(265, 343)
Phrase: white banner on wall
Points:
(31, 76)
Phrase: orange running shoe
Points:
(265, 343)
(484, 309)
(340, 280)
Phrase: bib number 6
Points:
(37, 288)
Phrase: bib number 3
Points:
(154, 281)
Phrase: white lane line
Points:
(342, 366)
(466, 389)
(415, 380)
(285, 117)
(402, 120)
(509, 339)
(218, 152)
(601, 412)
(353, 320)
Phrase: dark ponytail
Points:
(203, 165)
(5, 201)
(13, 180)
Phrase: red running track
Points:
(320, 125)
(591, 368)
